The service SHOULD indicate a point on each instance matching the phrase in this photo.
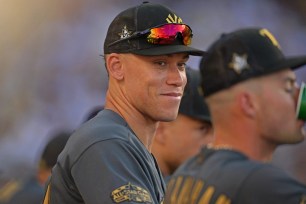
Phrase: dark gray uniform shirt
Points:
(225, 176)
(104, 162)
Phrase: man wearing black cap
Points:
(30, 191)
(251, 91)
(178, 140)
(49, 156)
(108, 159)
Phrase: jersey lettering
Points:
(183, 190)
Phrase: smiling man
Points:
(108, 159)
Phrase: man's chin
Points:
(168, 118)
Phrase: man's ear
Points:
(248, 104)
(114, 66)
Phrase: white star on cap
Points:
(239, 63)
(125, 33)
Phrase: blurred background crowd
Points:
(52, 74)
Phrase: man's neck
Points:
(143, 128)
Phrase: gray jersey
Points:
(225, 176)
(105, 162)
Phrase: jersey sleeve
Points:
(269, 184)
(112, 171)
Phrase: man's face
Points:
(154, 85)
(278, 99)
(184, 138)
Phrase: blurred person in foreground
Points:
(178, 140)
(108, 159)
(21, 191)
(251, 91)
(50, 154)
(31, 191)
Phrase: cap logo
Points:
(174, 19)
(125, 33)
(266, 33)
(239, 63)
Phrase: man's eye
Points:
(161, 63)
(182, 65)
(290, 86)
(205, 128)
(289, 90)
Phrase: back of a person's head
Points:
(53, 148)
(242, 55)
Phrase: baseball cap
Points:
(243, 54)
(192, 103)
(124, 33)
(53, 148)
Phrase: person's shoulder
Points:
(228, 161)
(107, 129)
(240, 178)
(106, 125)
(272, 185)
(269, 174)
(224, 168)
(221, 159)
